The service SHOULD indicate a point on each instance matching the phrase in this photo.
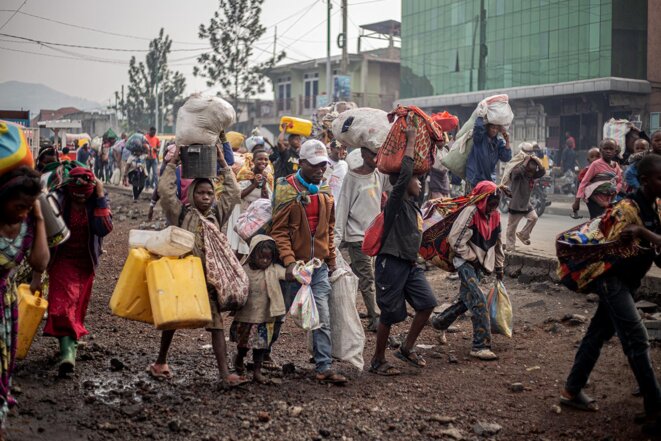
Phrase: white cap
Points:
(314, 151)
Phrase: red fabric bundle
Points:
(391, 153)
(446, 121)
(374, 236)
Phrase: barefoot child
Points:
(398, 278)
(253, 324)
(206, 202)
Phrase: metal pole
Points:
(345, 41)
(481, 70)
(275, 40)
(158, 62)
(328, 53)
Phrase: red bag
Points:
(445, 120)
(391, 153)
(373, 236)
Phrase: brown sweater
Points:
(291, 232)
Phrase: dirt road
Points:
(112, 398)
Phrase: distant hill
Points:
(15, 95)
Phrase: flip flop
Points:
(580, 401)
(383, 368)
(163, 373)
(235, 382)
(411, 357)
(332, 378)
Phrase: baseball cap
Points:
(313, 151)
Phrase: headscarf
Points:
(253, 142)
(81, 181)
(59, 173)
(485, 223)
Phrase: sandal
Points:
(330, 377)
(160, 371)
(579, 401)
(411, 357)
(233, 381)
(383, 368)
(523, 239)
(270, 364)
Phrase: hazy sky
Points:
(96, 74)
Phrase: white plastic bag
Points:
(617, 129)
(115, 177)
(253, 219)
(347, 335)
(304, 309)
(367, 128)
(495, 109)
(201, 119)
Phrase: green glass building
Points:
(547, 51)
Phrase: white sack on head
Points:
(362, 127)
(201, 119)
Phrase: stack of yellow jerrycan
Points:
(160, 287)
(31, 309)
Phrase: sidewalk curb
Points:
(528, 268)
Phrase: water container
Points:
(138, 238)
(296, 126)
(198, 161)
(130, 299)
(171, 242)
(57, 231)
(31, 309)
(178, 293)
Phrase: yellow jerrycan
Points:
(178, 293)
(130, 299)
(296, 126)
(31, 309)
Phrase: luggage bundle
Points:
(495, 110)
(14, 148)
(428, 133)
(199, 123)
(361, 127)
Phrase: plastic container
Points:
(171, 242)
(57, 231)
(296, 126)
(138, 238)
(31, 309)
(14, 148)
(130, 299)
(178, 293)
(199, 161)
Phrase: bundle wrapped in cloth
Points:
(14, 148)
(201, 119)
(428, 133)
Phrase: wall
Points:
(653, 51)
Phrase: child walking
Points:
(253, 324)
(523, 178)
(636, 215)
(475, 239)
(602, 182)
(208, 204)
(398, 278)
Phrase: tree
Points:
(138, 107)
(233, 32)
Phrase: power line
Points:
(56, 56)
(13, 15)
(94, 47)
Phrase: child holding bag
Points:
(254, 322)
(208, 210)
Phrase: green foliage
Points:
(233, 32)
(138, 105)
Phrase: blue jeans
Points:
(475, 300)
(321, 338)
(616, 314)
(152, 169)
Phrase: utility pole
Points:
(345, 50)
(481, 70)
(329, 93)
(158, 68)
(162, 120)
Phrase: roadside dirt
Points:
(111, 397)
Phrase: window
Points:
(284, 94)
(655, 122)
(311, 82)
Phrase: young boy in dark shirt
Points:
(638, 213)
(398, 278)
